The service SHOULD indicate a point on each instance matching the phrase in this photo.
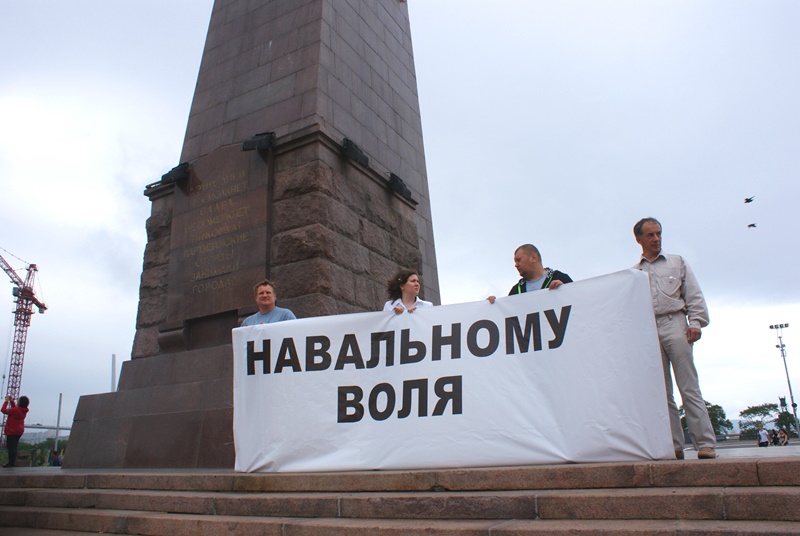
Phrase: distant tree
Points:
(755, 415)
(48, 445)
(39, 452)
(786, 420)
(718, 418)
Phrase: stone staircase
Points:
(737, 496)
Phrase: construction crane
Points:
(25, 300)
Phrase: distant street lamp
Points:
(782, 348)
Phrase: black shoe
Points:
(8, 465)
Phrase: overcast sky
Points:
(556, 123)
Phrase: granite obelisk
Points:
(303, 162)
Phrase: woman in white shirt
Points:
(403, 289)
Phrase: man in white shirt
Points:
(763, 436)
(681, 312)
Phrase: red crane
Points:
(25, 300)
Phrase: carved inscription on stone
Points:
(219, 239)
(215, 232)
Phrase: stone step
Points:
(736, 496)
(753, 504)
(689, 473)
(25, 531)
(159, 524)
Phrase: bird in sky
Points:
(749, 199)
(753, 225)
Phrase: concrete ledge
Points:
(744, 472)
(734, 472)
(651, 503)
(357, 481)
(752, 504)
(546, 477)
(779, 471)
(172, 480)
(666, 528)
(37, 478)
(778, 503)
(119, 522)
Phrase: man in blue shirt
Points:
(268, 312)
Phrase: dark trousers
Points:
(12, 441)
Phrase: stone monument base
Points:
(171, 411)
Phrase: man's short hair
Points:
(529, 249)
(264, 283)
(637, 229)
(23, 402)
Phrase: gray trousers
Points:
(676, 353)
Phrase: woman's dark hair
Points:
(393, 285)
(23, 402)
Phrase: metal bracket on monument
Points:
(397, 185)
(174, 176)
(172, 337)
(354, 153)
(261, 142)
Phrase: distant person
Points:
(534, 276)
(265, 296)
(55, 459)
(403, 292)
(680, 310)
(763, 436)
(783, 437)
(15, 425)
(773, 436)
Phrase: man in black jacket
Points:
(528, 262)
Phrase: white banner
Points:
(566, 375)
